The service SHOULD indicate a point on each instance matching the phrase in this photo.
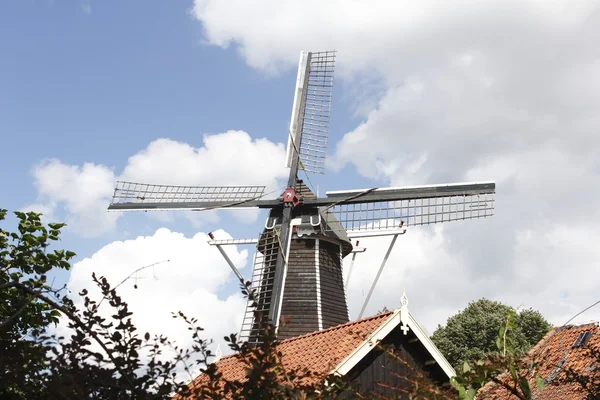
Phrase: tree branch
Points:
(131, 274)
(77, 321)
(508, 387)
(8, 285)
(11, 319)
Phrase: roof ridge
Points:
(543, 341)
(577, 326)
(555, 330)
(314, 333)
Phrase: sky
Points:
(200, 93)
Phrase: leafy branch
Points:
(508, 368)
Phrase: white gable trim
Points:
(398, 316)
(365, 347)
(431, 348)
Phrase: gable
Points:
(395, 366)
(350, 348)
(401, 319)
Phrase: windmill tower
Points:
(297, 272)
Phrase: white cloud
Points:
(552, 272)
(191, 281)
(82, 193)
(230, 158)
(47, 211)
(385, 36)
(505, 90)
(80, 190)
(86, 8)
(432, 292)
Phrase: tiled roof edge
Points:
(315, 333)
(586, 324)
(392, 320)
(337, 327)
(556, 330)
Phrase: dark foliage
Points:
(25, 260)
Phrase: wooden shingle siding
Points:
(300, 298)
(299, 306)
(334, 309)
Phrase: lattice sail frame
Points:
(389, 214)
(317, 111)
(263, 277)
(425, 210)
(314, 90)
(140, 193)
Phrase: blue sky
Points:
(503, 91)
(99, 86)
(97, 82)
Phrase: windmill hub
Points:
(290, 197)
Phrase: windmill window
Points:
(582, 339)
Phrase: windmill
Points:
(297, 271)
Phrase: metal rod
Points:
(231, 264)
(350, 271)
(354, 251)
(378, 275)
(374, 233)
(227, 242)
(284, 241)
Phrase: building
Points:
(565, 347)
(355, 350)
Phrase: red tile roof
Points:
(556, 354)
(319, 351)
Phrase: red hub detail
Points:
(290, 196)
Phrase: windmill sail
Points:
(312, 102)
(263, 277)
(388, 208)
(142, 196)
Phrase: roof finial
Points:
(404, 312)
(218, 353)
(404, 299)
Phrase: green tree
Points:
(471, 334)
(515, 373)
(25, 260)
(533, 325)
